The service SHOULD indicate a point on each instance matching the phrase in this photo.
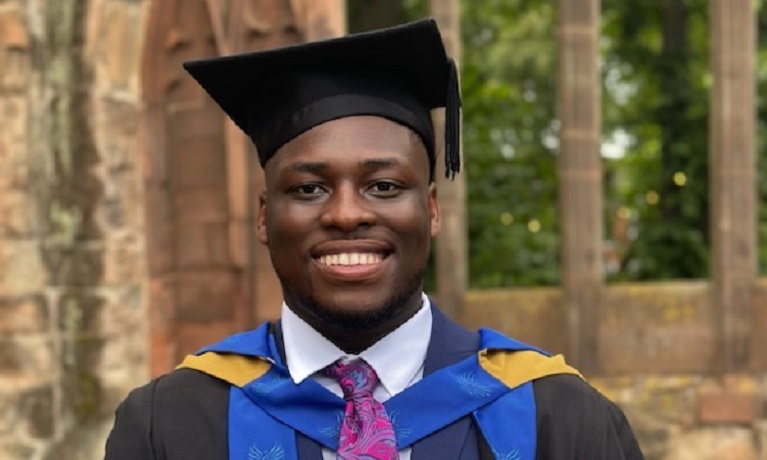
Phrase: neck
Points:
(354, 340)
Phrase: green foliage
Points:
(656, 82)
(508, 79)
(655, 107)
(655, 99)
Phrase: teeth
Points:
(352, 258)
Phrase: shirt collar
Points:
(396, 358)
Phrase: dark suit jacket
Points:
(183, 416)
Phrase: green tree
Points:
(510, 141)
(656, 80)
(508, 83)
(656, 84)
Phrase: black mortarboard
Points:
(399, 73)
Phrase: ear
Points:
(434, 210)
(261, 220)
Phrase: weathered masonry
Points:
(126, 212)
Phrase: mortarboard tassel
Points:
(452, 123)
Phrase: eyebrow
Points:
(309, 167)
(371, 165)
(379, 163)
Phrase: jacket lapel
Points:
(450, 343)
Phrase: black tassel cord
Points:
(452, 123)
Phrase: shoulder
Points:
(178, 415)
(566, 391)
(571, 398)
(182, 390)
(574, 417)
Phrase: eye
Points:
(307, 190)
(384, 188)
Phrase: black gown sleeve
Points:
(130, 436)
(575, 422)
(179, 416)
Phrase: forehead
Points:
(351, 141)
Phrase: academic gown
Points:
(183, 415)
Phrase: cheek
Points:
(414, 222)
(284, 226)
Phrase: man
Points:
(362, 364)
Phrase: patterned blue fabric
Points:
(509, 441)
(254, 435)
(272, 406)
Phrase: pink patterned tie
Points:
(366, 432)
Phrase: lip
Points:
(352, 273)
(341, 246)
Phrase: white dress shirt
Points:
(397, 358)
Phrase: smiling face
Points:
(348, 215)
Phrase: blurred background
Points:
(612, 205)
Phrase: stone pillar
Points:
(733, 177)
(451, 244)
(71, 230)
(196, 289)
(580, 176)
(28, 364)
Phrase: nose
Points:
(347, 209)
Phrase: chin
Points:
(356, 319)
(350, 316)
(355, 311)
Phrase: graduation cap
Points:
(399, 73)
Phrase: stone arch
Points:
(207, 278)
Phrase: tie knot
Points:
(357, 378)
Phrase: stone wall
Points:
(98, 130)
(657, 359)
(72, 301)
(694, 417)
(125, 203)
